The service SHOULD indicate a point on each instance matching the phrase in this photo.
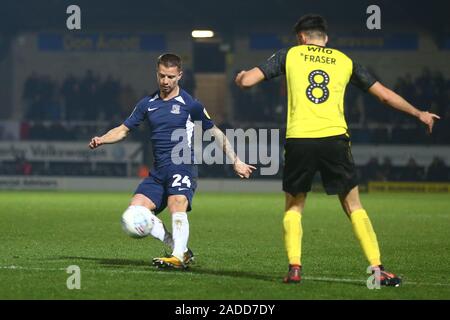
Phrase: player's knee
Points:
(350, 201)
(138, 221)
(141, 200)
(177, 203)
(295, 203)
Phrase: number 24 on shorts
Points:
(184, 180)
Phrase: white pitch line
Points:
(325, 279)
(94, 270)
(333, 279)
(364, 281)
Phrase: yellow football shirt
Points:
(316, 80)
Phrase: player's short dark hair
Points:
(312, 24)
(169, 60)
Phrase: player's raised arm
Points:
(242, 169)
(247, 79)
(112, 136)
(392, 99)
(272, 68)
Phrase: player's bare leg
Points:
(293, 235)
(350, 201)
(364, 232)
(177, 205)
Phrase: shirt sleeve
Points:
(361, 77)
(199, 113)
(137, 116)
(274, 66)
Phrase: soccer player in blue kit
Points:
(170, 185)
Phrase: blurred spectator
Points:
(127, 101)
(374, 123)
(23, 166)
(441, 132)
(109, 98)
(76, 99)
(372, 170)
(386, 170)
(188, 81)
(412, 171)
(90, 98)
(31, 88)
(437, 171)
(40, 95)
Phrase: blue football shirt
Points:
(164, 117)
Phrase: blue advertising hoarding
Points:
(101, 42)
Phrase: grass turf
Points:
(237, 239)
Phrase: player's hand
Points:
(428, 119)
(238, 79)
(242, 169)
(95, 142)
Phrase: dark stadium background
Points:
(87, 93)
(60, 203)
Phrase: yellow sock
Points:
(366, 235)
(293, 232)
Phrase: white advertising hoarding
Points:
(70, 152)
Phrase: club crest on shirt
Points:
(175, 109)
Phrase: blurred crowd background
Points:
(67, 86)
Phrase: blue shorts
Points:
(169, 180)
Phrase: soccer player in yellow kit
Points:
(317, 137)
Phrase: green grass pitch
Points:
(238, 243)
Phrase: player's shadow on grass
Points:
(255, 276)
(110, 262)
(146, 265)
(233, 274)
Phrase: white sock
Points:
(158, 231)
(180, 231)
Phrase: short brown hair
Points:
(169, 60)
(312, 24)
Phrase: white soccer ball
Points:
(137, 222)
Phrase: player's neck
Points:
(172, 94)
(316, 43)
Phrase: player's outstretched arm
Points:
(247, 79)
(242, 169)
(390, 98)
(112, 136)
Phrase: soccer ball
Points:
(137, 222)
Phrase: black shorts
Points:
(331, 156)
